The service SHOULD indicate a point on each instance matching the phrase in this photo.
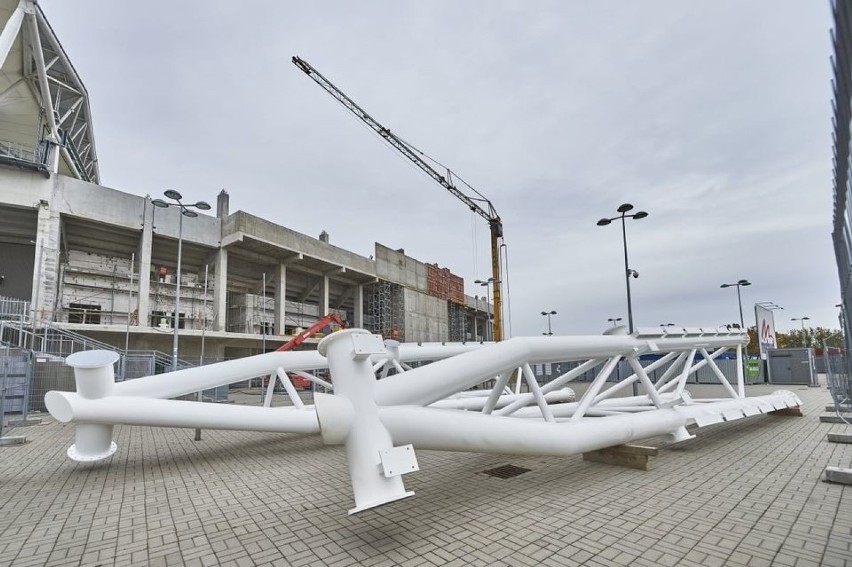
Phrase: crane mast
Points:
(495, 225)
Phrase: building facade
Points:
(103, 263)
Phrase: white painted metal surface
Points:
(382, 410)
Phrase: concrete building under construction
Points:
(103, 263)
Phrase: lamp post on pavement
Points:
(738, 285)
(549, 328)
(475, 317)
(489, 330)
(624, 209)
(184, 211)
(804, 337)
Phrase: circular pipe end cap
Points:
(59, 406)
(92, 359)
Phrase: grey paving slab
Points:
(747, 492)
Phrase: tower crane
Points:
(487, 212)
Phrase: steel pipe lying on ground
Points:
(126, 410)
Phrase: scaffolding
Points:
(456, 321)
(385, 310)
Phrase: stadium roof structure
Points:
(43, 103)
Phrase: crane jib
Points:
(494, 222)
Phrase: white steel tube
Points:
(94, 376)
(646, 382)
(496, 392)
(740, 376)
(684, 376)
(435, 351)
(41, 76)
(640, 403)
(694, 368)
(348, 354)
(174, 384)
(536, 391)
(670, 371)
(428, 428)
(719, 374)
(551, 386)
(595, 387)
(633, 378)
(288, 385)
(68, 406)
(311, 378)
(10, 32)
(478, 402)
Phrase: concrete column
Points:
(280, 299)
(324, 306)
(358, 309)
(143, 265)
(220, 287)
(46, 272)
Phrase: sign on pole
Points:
(765, 329)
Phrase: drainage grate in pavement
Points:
(506, 471)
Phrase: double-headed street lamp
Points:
(802, 319)
(485, 283)
(738, 285)
(614, 321)
(664, 325)
(549, 328)
(624, 209)
(184, 211)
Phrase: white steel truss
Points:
(382, 417)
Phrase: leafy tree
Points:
(810, 337)
(752, 341)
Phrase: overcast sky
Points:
(712, 115)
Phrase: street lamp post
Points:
(614, 321)
(489, 330)
(475, 317)
(184, 211)
(624, 209)
(738, 285)
(549, 328)
(804, 337)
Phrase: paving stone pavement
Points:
(747, 492)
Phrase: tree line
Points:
(799, 338)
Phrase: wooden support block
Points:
(834, 419)
(12, 440)
(840, 437)
(796, 411)
(630, 456)
(838, 475)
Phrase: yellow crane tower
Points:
(488, 212)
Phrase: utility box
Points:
(791, 366)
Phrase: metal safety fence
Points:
(839, 384)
